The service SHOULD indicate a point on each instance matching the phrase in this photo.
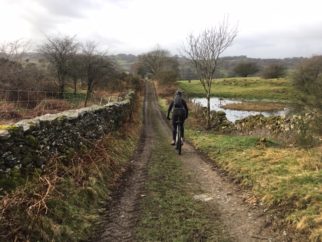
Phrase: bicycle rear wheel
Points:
(178, 139)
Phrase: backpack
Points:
(177, 103)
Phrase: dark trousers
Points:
(177, 115)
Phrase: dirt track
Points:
(244, 222)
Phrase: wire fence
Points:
(19, 104)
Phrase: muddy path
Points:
(121, 216)
(243, 221)
(246, 222)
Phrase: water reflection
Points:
(233, 115)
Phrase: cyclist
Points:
(179, 110)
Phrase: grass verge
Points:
(287, 179)
(244, 88)
(169, 212)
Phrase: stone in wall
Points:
(218, 121)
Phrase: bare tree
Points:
(74, 70)
(58, 52)
(14, 50)
(159, 64)
(96, 67)
(204, 50)
(153, 60)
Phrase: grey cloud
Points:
(105, 43)
(68, 8)
(42, 23)
(303, 41)
(120, 3)
(48, 14)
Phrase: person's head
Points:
(179, 92)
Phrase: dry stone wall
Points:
(276, 125)
(31, 143)
(289, 129)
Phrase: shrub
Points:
(274, 71)
(245, 69)
(53, 104)
(307, 80)
(167, 76)
(9, 111)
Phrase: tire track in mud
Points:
(123, 211)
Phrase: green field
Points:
(244, 88)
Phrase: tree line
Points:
(70, 59)
(67, 62)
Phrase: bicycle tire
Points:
(178, 143)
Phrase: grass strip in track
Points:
(169, 212)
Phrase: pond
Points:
(233, 115)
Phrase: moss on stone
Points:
(10, 181)
(9, 127)
(28, 158)
(15, 130)
(4, 126)
(31, 140)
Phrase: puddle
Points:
(233, 115)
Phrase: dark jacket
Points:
(185, 107)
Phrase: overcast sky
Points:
(266, 28)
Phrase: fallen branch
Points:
(42, 201)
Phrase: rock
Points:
(4, 134)
(203, 197)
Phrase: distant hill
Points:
(125, 61)
(231, 61)
(227, 64)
